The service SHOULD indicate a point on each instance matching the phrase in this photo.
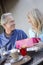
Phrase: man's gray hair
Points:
(3, 17)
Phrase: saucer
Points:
(19, 58)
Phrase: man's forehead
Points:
(9, 18)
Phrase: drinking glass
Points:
(23, 52)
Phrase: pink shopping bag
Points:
(29, 42)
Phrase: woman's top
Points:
(32, 33)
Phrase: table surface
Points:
(22, 61)
(37, 57)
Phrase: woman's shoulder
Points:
(41, 35)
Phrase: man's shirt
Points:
(9, 42)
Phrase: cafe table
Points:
(37, 57)
(34, 58)
(22, 61)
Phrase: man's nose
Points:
(12, 23)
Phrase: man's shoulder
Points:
(18, 30)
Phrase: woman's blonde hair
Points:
(36, 19)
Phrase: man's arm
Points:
(24, 35)
(0, 43)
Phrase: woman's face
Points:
(33, 23)
(29, 21)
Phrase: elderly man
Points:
(10, 34)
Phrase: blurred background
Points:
(19, 9)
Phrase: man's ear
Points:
(4, 26)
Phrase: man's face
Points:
(10, 25)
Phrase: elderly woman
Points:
(10, 34)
